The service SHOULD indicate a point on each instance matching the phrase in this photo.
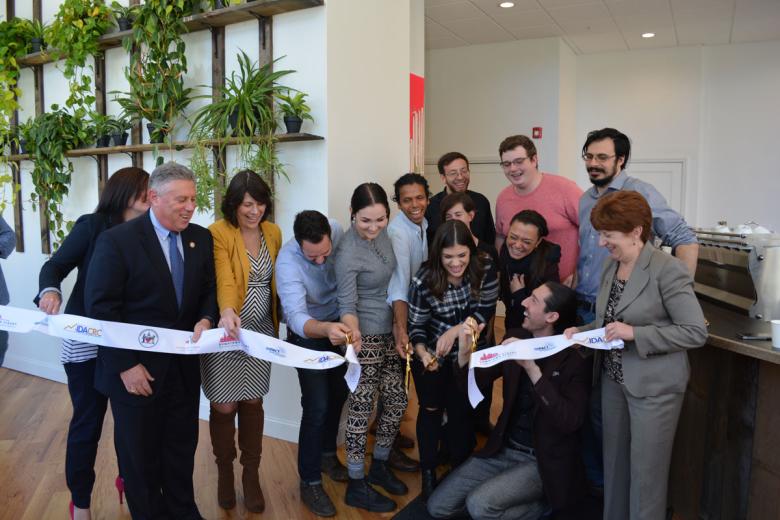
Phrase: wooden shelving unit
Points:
(199, 22)
(177, 145)
(215, 21)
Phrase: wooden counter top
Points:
(724, 326)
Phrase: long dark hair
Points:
(448, 234)
(539, 263)
(124, 187)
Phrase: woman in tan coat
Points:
(245, 249)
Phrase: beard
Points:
(601, 181)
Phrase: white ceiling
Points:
(602, 25)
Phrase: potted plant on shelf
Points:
(38, 36)
(157, 68)
(102, 130)
(23, 135)
(295, 110)
(15, 35)
(119, 127)
(124, 16)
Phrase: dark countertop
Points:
(723, 329)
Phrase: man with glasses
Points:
(455, 174)
(553, 196)
(606, 153)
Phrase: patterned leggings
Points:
(382, 370)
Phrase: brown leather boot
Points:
(250, 441)
(222, 427)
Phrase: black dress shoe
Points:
(403, 442)
(398, 460)
(333, 468)
(317, 500)
(381, 475)
(428, 483)
(361, 494)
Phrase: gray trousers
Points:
(638, 439)
(505, 486)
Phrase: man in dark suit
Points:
(156, 270)
(531, 462)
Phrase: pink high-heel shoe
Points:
(120, 488)
(70, 508)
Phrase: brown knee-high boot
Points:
(250, 439)
(222, 427)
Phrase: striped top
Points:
(77, 351)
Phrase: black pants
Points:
(156, 446)
(89, 408)
(436, 392)
(323, 393)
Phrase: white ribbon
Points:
(533, 348)
(157, 339)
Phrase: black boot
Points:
(381, 475)
(317, 500)
(400, 461)
(333, 468)
(428, 483)
(361, 494)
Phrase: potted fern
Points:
(295, 110)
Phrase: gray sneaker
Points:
(317, 500)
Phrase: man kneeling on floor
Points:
(531, 463)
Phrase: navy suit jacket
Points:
(129, 281)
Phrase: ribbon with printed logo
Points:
(168, 341)
(533, 348)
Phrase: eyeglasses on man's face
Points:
(515, 162)
(452, 174)
(599, 157)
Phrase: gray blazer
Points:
(659, 302)
(7, 246)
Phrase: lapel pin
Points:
(192, 245)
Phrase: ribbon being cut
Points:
(169, 341)
(534, 348)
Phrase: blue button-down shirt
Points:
(163, 235)
(307, 290)
(410, 245)
(668, 225)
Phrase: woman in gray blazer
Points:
(646, 299)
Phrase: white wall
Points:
(740, 178)
(653, 97)
(478, 95)
(713, 108)
(369, 80)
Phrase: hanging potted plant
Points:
(295, 110)
(15, 36)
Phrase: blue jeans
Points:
(323, 393)
(507, 485)
(592, 450)
(86, 425)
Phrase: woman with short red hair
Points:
(646, 299)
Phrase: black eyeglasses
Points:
(599, 157)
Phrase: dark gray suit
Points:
(7, 246)
(640, 416)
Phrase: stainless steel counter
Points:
(723, 329)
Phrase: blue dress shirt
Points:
(410, 245)
(668, 226)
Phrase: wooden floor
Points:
(34, 416)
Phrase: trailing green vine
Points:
(51, 135)
(74, 37)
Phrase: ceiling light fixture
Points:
(648, 35)
(506, 5)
